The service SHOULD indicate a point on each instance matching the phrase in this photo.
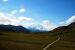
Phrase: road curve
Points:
(46, 47)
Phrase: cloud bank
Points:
(71, 20)
(68, 21)
(21, 20)
(47, 25)
(13, 20)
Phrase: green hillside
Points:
(25, 41)
(36, 41)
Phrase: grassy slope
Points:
(67, 42)
(24, 41)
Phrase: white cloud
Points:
(21, 10)
(13, 12)
(13, 20)
(69, 21)
(29, 25)
(1, 14)
(47, 25)
(3, 19)
(21, 20)
(5, 0)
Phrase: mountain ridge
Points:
(13, 28)
(68, 28)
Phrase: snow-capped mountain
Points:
(37, 28)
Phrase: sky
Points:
(48, 13)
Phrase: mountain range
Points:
(36, 28)
(13, 28)
(70, 27)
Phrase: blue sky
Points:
(55, 11)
